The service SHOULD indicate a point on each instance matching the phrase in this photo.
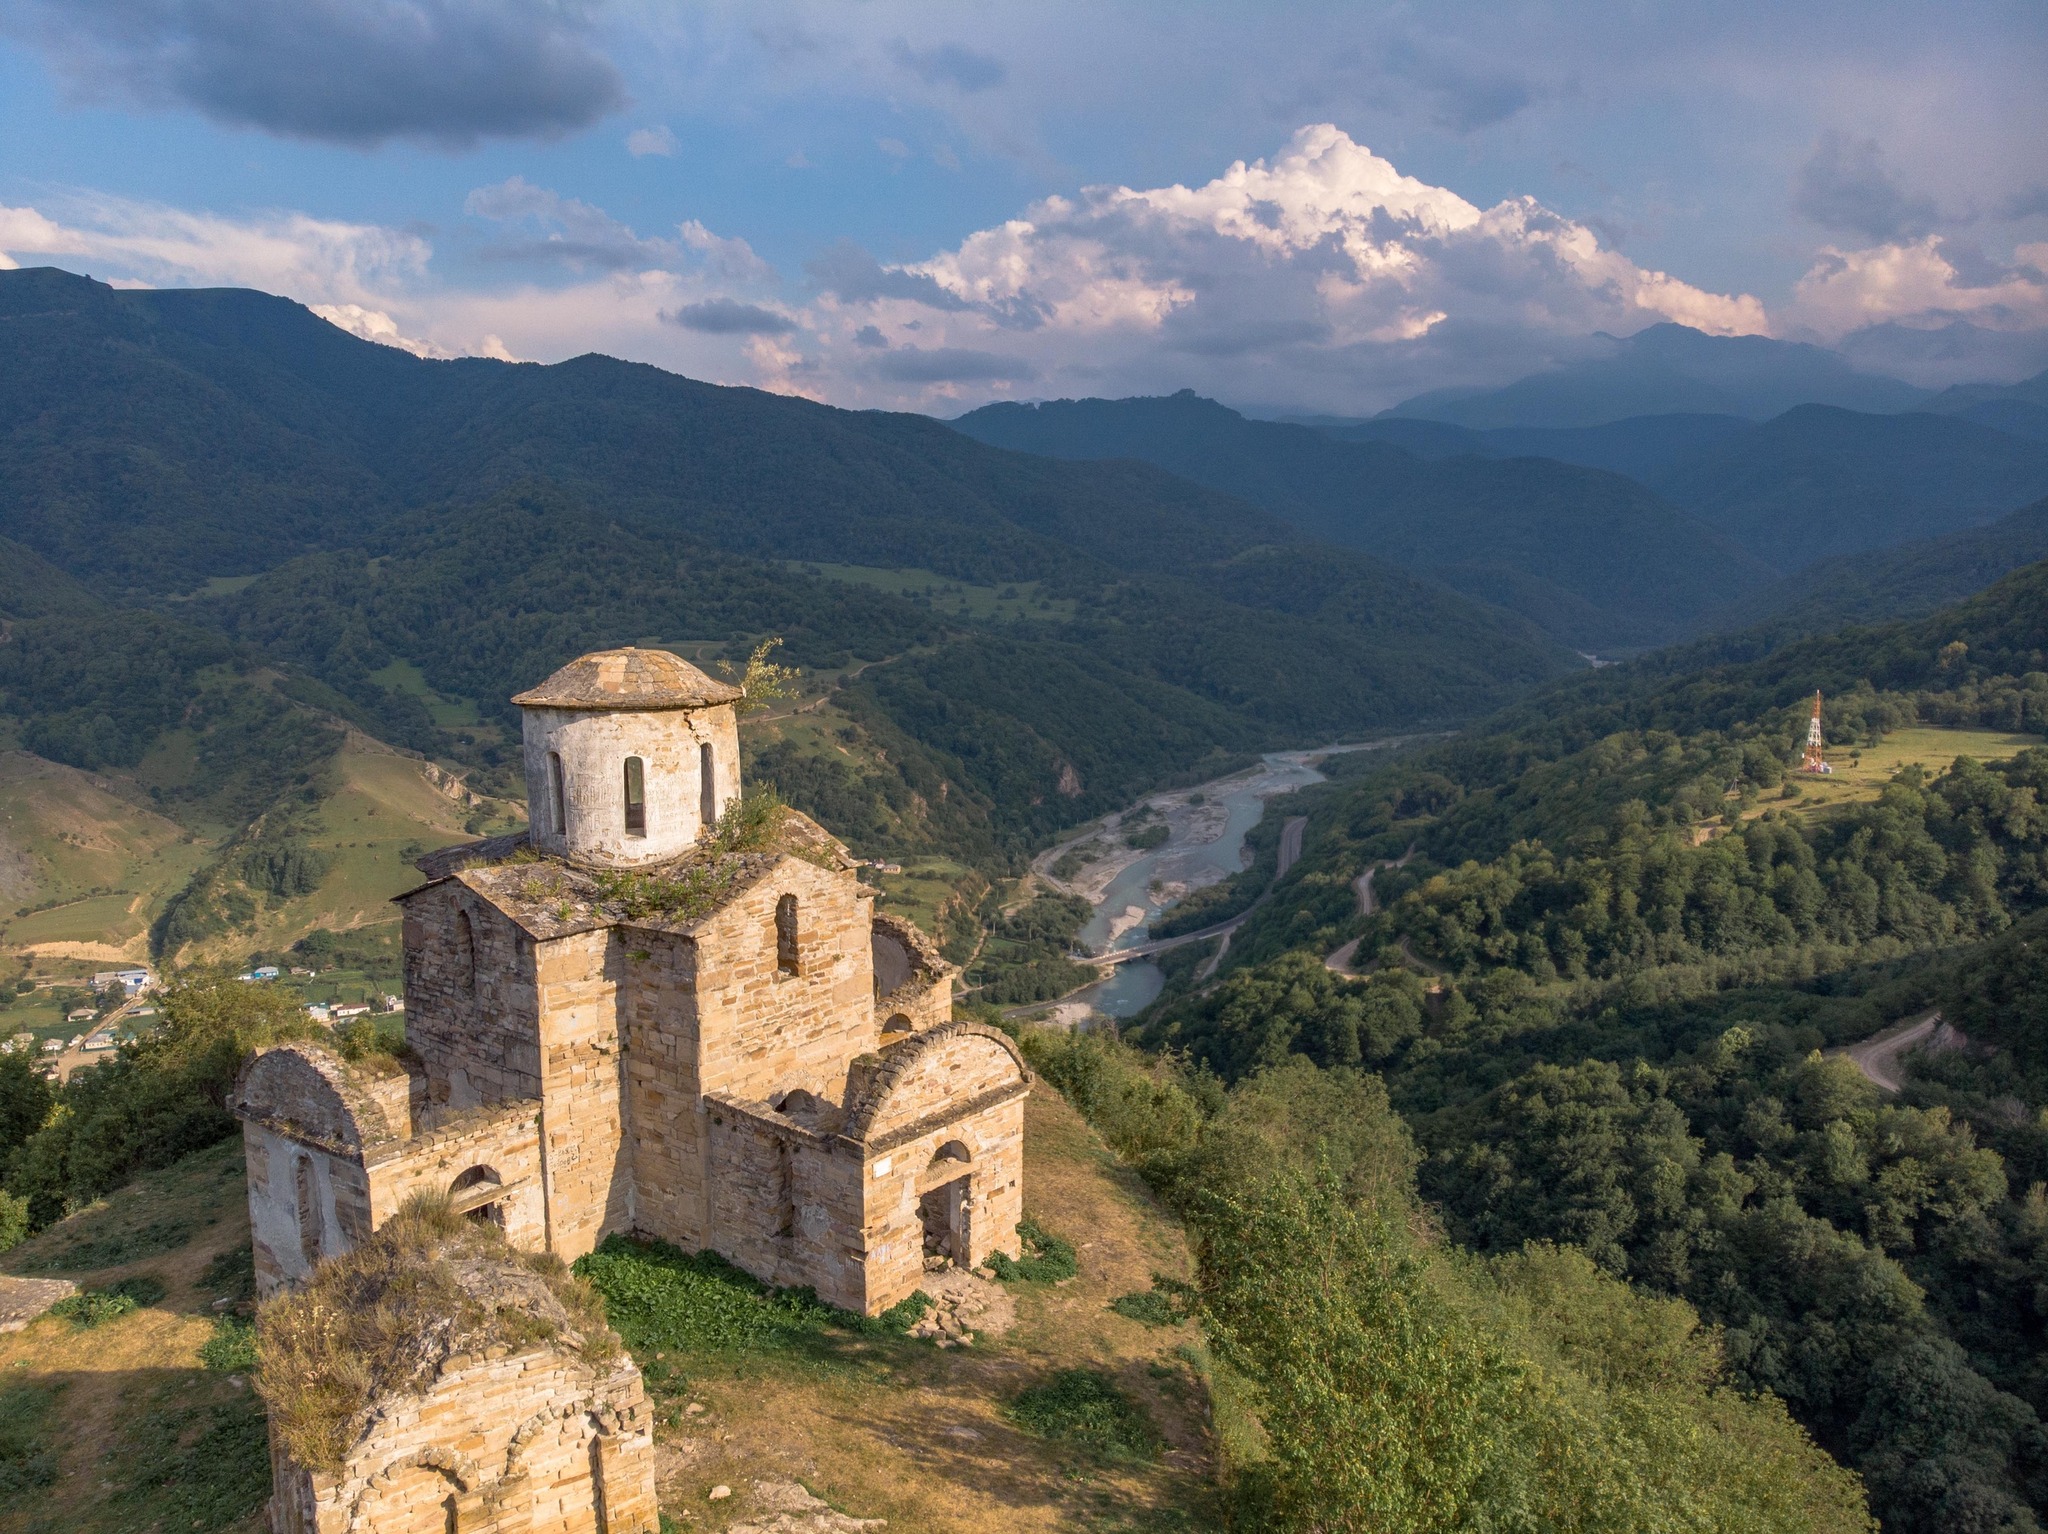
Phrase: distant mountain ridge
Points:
(1591, 557)
(1670, 369)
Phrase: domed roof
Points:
(629, 680)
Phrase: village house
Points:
(654, 1011)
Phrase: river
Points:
(1208, 825)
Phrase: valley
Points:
(1472, 1007)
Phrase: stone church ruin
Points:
(662, 1009)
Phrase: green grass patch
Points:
(99, 1247)
(1048, 1259)
(232, 1347)
(660, 1298)
(28, 1461)
(1085, 1407)
(1150, 1306)
(231, 1274)
(193, 1467)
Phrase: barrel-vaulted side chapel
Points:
(628, 1018)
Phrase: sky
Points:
(1311, 208)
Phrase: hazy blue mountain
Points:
(1667, 370)
(1902, 582)
(2021, 408)
(1590, 556)
(1818, 481)
(1638, 447)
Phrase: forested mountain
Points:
(1818, 481)
(1590, 556)
(1900, 582)
(474, 524)
(1598, 988)
(1669, 369)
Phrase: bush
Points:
(1151, 1306)
(142, 1288)
(1047, 1259)
(93, 1308)
(1084, 1407)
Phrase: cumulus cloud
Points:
(358, 72)
(730, 317)
(1924, 282)
(950, 64)
(1845, 185)
(1321, 277)
(642, 142)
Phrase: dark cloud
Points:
(1845, 185)
(869, 336)
(950, 64)
(951, 364)
(1463, 98)
(359, 72)
(857, 277)
(2028, 204)
(729, 317)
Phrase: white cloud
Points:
(1922, 281)
(316, 260)
(375, 325)
(1322, 278)
(646, 141)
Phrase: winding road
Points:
(1339, 960)
(1878, 1056)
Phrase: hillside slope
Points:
(1902, 582)
(1818, 481)
(1591, 557)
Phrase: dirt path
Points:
(1878, 1056)
(1340, 958)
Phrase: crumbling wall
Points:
(471, 1002)
(786, 1201)
(491, 1148)
(533, 1442)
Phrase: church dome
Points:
(629, 681)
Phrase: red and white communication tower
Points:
(1816, 755)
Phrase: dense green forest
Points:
(1592, 557)
(1601, 989)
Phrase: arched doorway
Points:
(946, 1207)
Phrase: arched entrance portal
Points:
(946, 1207)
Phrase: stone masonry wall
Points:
(506, 1140)
(764, 1031)
(586, 1150)
(289, 1178)
(474, 1026)
(786, 1202)
(664, 1101)
(892, 1225)
(527, 1443)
